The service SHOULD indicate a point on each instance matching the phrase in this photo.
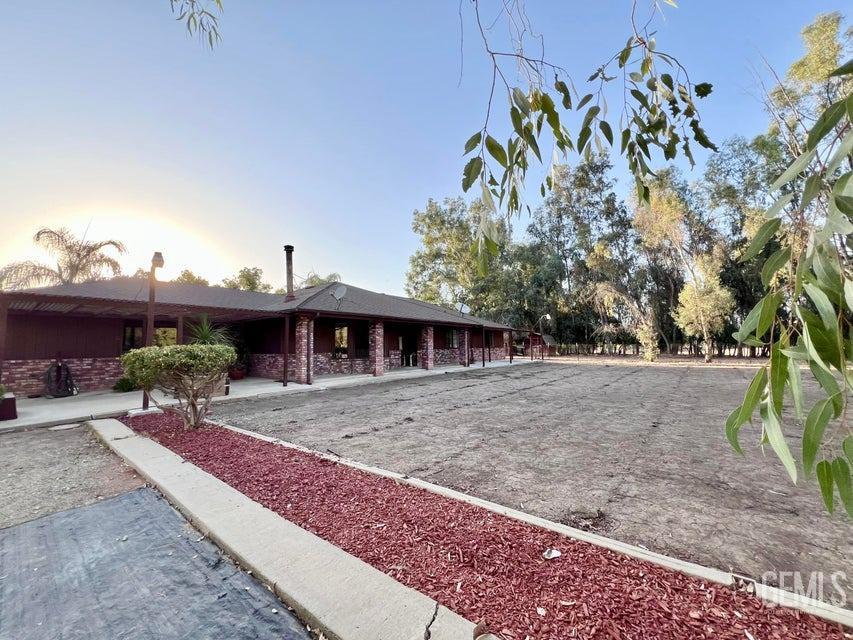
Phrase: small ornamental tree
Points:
(190, 372)
(704, 304)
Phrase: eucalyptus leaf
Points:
(776, 439)
(606, 130)
(778, 376)
(844, 70)
(841, 476)
(823, 305)
(847, 447)
(813, 432)
(521, 101)
(795, 384)
(762, 237)
(824, 479)
(825, 123)
(795, 169)
(471, 172)
(743, 413)
(844, 149)
(777, 206)
(496, 150)
(773, 264)
(473, 141)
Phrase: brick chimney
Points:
(288, 252)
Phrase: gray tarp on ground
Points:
(128, 568)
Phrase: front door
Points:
(409, 348)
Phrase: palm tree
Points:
(77, 260)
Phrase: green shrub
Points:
(125, 384)
(189, 372)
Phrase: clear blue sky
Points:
(323, 125)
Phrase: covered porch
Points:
(88, 335)
(331, 344)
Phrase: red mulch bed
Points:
(482, 565)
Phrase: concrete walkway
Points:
(93, 405)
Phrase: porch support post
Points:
(179, 332)
(427, 353)
(465, 347)
(4, 319)
(483, 347)
(285, 348)
(311, 351)
(304, 348)
(508, 344)
(376, 346)
(530, 335)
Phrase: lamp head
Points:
(157, 260)
(547, 316)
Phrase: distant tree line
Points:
(613, 276)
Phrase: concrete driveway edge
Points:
(331, 590)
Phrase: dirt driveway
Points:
(636, 453)
(49, 470)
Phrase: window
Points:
(133, 338)
(165, 336)
(341, 342)
(452, 339)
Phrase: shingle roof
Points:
(320, 299)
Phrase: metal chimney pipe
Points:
(288, 252)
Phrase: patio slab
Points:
(48, 412)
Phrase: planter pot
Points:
(236, 374)
(8, 407)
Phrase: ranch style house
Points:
(328, 329)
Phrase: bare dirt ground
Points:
(632, 452)
(44, 471)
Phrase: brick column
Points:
(304, 349)
(376, 346)
(464, 347)
(426, 355)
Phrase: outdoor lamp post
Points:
(547, 317)
(156, 262)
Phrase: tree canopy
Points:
(248, 279)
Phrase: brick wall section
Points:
(498, 353)
(393, 360)
(376, 347)
(325, 364)
(447, 356)
(271, 365)
(26, 377)
(304, 348)
(426, 353)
